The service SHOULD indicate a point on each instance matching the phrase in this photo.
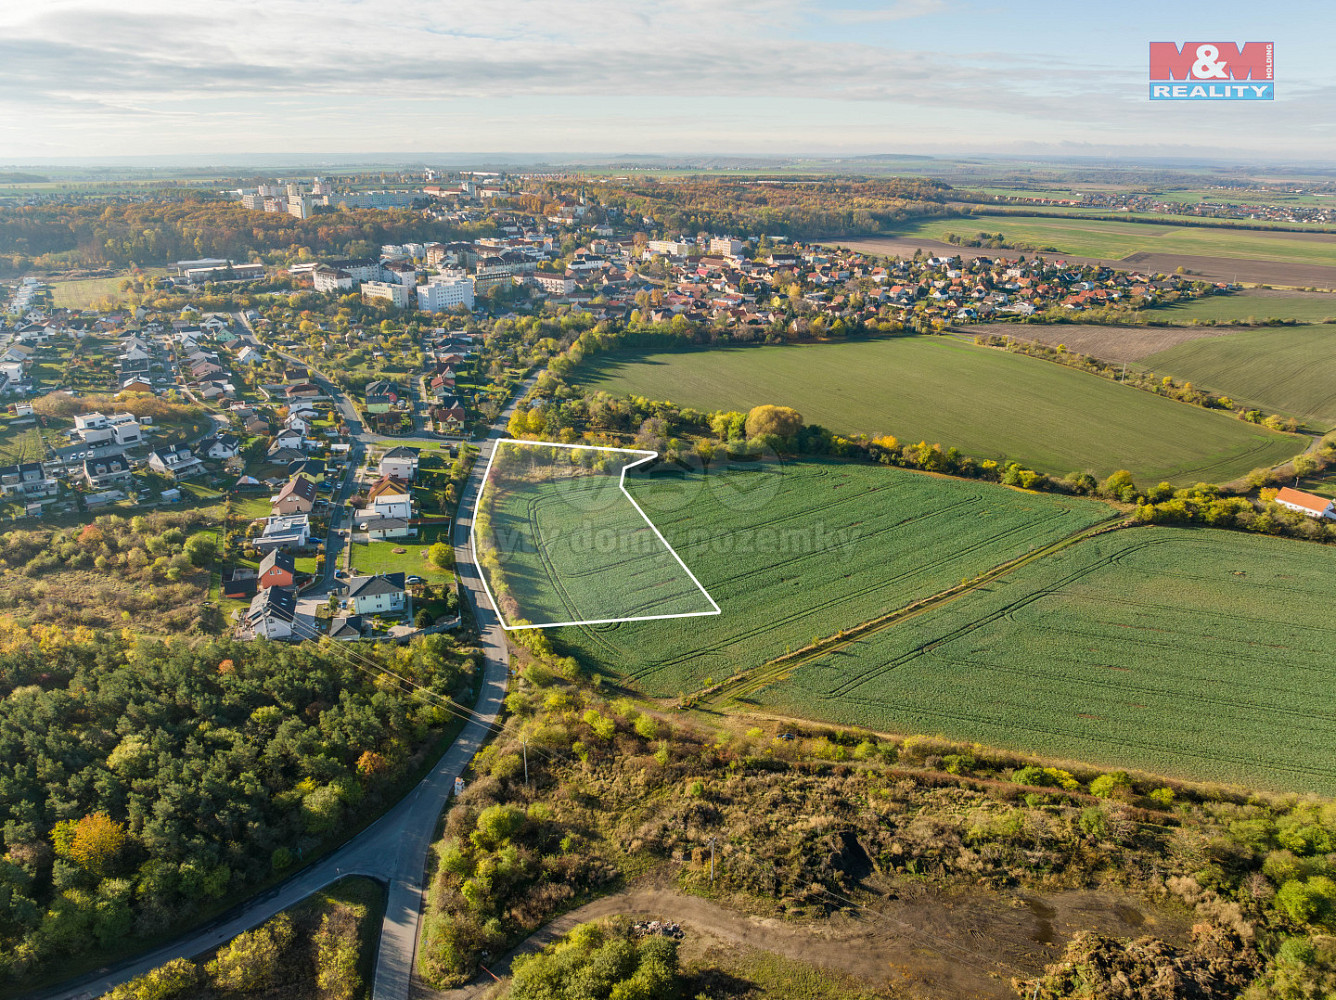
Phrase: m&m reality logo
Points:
(1212, 71)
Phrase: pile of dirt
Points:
(1217, 966)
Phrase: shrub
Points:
(1115, 784)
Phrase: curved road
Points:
(392, 850)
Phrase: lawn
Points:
(567, 545)
(1195, 653)
(81, 293)
(1287, 369)
(795, 551)
(986, 402)
(1098, 238)
(1310, 307)
(380, 557)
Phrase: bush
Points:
(1115, 784)
(252, 960)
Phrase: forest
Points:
(144, 782)
(197, 225)
(793, 207)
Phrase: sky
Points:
(111, 78)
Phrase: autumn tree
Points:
(780, 421)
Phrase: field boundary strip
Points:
(647, 456)
(740, 686)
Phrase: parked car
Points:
(415, 580)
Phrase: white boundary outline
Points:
(621, 484)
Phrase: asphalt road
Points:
(392, 850)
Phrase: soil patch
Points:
(912, 938)
(1110, 343)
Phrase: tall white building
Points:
(674, 248)
(440, 294)
(391, 291)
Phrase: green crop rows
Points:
(987, 403)
(1201, 654)
(1286, 369)
(802, 550)
(569, 545)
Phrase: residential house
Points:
(449, 419)
(292, 532)
(26, 479)
(379, 529)
(100, 473)
(220, 446)
(296, 497)
(277, 569)
(273, 613)
(175, 461)
(400, 463)
(382, 394)
(373, 595)
(393, 505)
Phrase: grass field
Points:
(570, 546)
(380, 557)
(800, 550)
(987, 403)
(1198, 654)
(1289, 369)
(1311, 307)
(80, 293)
(1096, 238)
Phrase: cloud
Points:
(347, 68)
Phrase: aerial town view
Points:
(583, 502)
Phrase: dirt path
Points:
(920, 941)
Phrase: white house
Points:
(401, 463)
(272, 613)
(176, 461)
(1306, 503)
(374, 595)
(392, 505)
(250, 356)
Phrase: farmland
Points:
(1253, 304)
(987, 403)
(1115, 240)
(1193, 653)
(794, 551)
(1288, 369)
(566, 545)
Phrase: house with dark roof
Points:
(175, 461)
(273, 613)
(278, 569)
(346, 628)
(219, 446)
(100, 473)
(372, 595)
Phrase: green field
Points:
(800, 550)
(987, 403)
(380, 557)
(1310, 307)
(1287, 369)
(1096, 238)
(81, 293)
(1198, 654)
(569, 546)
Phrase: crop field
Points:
(1114, 240)
(795, 551)
(1286, 369)
(1256, 304)
(1200, 654)
(986, 402)
(565, 543)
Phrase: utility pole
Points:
(525, 745)
(712, 839)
